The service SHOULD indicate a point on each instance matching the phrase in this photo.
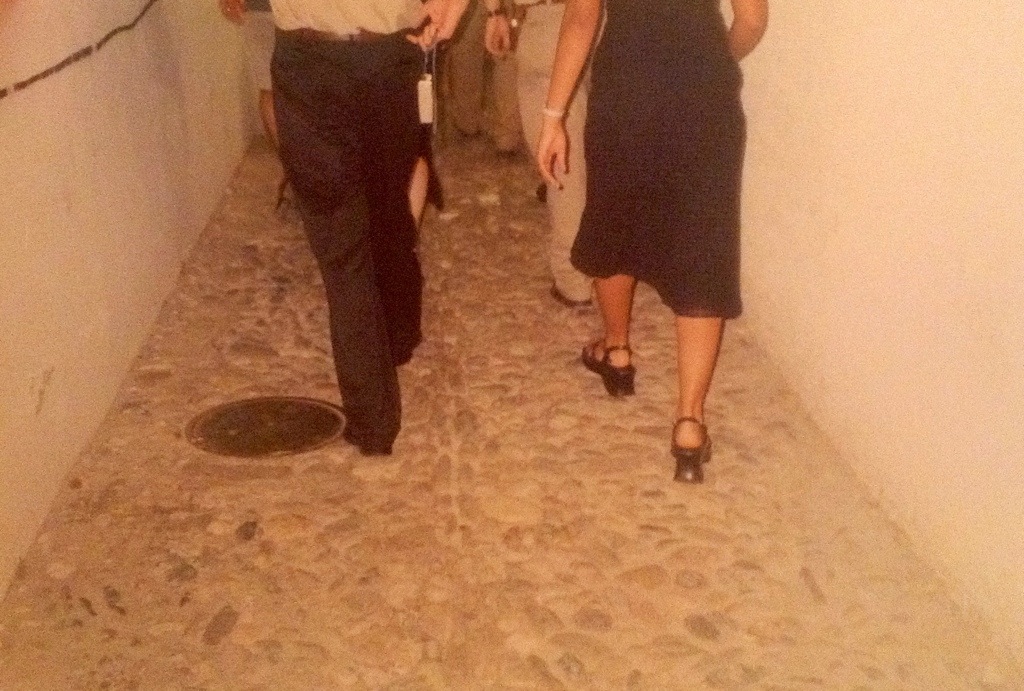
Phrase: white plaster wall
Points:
(884, 263)
(108, 171)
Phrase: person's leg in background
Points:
(464, 58)
(535, 55)
(258, 29)
(267, 117)
(479, 92)
(506, 124)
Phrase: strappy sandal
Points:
(617, 380)
(690, 460)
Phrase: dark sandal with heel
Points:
(690, 460)
(617, 380)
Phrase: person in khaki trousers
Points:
(529, 30)
(480, 92)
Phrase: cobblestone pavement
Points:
(526, 533)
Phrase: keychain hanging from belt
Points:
(427, 96)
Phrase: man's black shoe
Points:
(367, 447)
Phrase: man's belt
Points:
(359, 36)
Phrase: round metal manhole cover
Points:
(269, 426)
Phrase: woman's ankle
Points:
(618, 352)
(689, 430)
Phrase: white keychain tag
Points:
(425, 89)
(425, 94)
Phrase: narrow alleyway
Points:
(526, 533)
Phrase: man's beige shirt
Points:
(347, 16)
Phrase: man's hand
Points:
(233, 10)
(441, 19)
(498, 35)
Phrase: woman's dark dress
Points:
(664, 144)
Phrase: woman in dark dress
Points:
(665, 138)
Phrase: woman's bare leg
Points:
(266, 103)
(418, 189)
(698, 342)
(615, 298)
(269, 118)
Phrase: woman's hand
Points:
(552, 152)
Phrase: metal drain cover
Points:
(268, 426)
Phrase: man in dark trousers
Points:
(345, 86)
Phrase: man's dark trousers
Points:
(350, 135)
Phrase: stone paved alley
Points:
(526, 533)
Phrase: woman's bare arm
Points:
(575, 39)
(579, 27)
